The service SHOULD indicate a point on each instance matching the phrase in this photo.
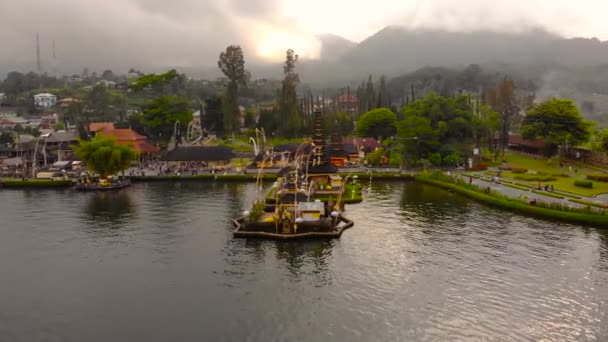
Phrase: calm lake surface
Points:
(157, 262)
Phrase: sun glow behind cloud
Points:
(274, 42)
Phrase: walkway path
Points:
(516, 193)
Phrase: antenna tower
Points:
(38, 52)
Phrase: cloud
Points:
(156, 34)
(121, 34)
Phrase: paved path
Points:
(516, 193)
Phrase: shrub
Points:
(506, 167)
(435, 159)
(535, 178)
(553, 174)
(591, 204)
(452, 159)
(581, 183)
(478, 167)
(519, 170)
(598, 177)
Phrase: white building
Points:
(45, 100)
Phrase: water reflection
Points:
(112, 207)
(305, 258)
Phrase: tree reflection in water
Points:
(113, 208)
(306, 257)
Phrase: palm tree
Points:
(104, 156)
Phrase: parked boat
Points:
(86, 184)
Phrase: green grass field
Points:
(551, 166)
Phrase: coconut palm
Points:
(104, 156)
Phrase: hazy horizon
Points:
(152, 34)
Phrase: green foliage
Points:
(60, 126)
(7, 138)
(599, 140)
(342, 122)
(581, 183)
(598, 177)
(535, 178)
(154, 81)
(104, 156)
(34, 183)
(452, 159)
(160, 115)
(519, 170)
(435, 159)
(250, 118)
(556, 121)
(232, 65)
(375, 158)
(98, 101)
(548, 194)
(514, 186)
(257, 211)
(27, 130)
(437, 124)
(591, 204)
(376, 123)
(291, 123)
(551, 211)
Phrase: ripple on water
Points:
(421, 264)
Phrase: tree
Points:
(99, 100)
(60, 126)
(600, 140)
(342, 122)
(416, 138)
(377, 123)
(558, 122)
(504, 101)
(156, 83)
(451, 117)
(160, 115)
(7, 138)
(104, 156)
(250, 118)
(382, 94)
(107, 75)
(232, 65)
(370, 94)
(288, 103)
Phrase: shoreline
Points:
(513, 205)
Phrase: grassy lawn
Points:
(551, 166)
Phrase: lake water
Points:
(157, 262)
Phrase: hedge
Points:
(591, 204)
(515, 186)
(598, 177)
(583, 183)
(35, 183)
(535, 178)
(549, 194)
(519, 170)
(521, 207)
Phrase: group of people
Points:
(546, 187)
(172, 168)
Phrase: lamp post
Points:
(35, 157)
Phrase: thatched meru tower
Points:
(319, 162)
(337, 154)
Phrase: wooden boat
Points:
(99, 186)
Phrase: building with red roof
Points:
(95, 127)
(127, 136)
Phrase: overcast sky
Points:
(190, 33)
